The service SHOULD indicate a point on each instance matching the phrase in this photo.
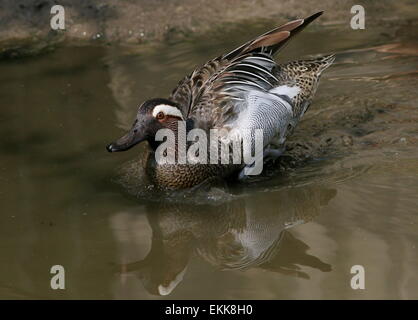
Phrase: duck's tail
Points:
(303, 75)
(324, 62)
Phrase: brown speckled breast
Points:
(181, 176)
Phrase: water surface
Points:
(347, 196)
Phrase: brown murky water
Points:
(346, 193)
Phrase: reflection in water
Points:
(240, 234)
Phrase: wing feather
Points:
(208, 94)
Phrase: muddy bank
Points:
(25, 24)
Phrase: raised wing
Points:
(207, 94)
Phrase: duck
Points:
(241, 91)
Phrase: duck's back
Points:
(301, 77)
(277, 109)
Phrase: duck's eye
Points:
(160, 115)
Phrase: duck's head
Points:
(152, 115)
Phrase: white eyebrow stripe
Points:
(167, 110)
